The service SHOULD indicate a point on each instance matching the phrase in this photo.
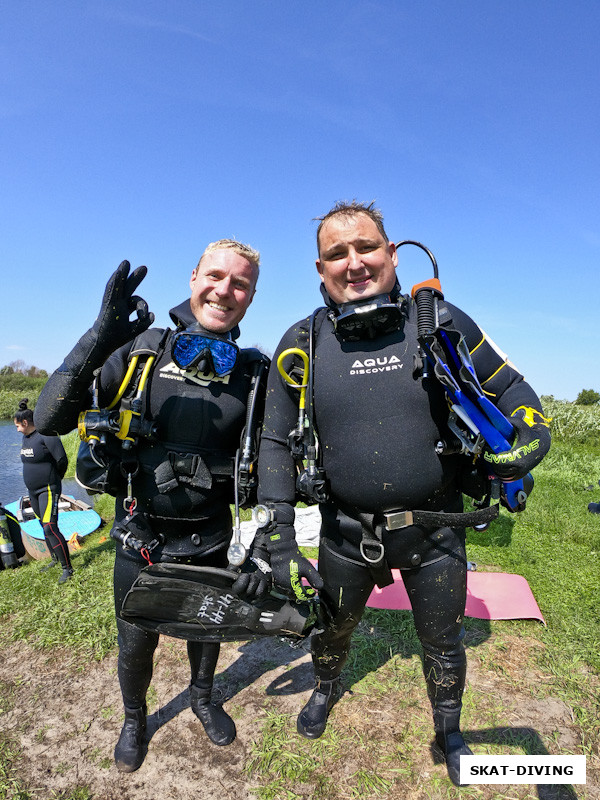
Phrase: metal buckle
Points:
(398, 519)
(372, 544)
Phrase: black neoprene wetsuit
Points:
(378, 422)
(196, 415)
(44, 465)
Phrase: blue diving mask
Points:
(209, 352)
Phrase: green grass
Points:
(555, 545)
(78, 615)
(71, 444)
(11, 787)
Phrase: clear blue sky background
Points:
(145, 129)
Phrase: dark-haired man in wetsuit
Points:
(182, 483)
(378, 421)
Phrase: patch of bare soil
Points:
(67, 724)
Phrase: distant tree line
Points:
(18, 380)
(21, 377)
(586, 397)
(19, 367)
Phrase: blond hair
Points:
(244, 250)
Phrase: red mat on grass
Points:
(490, 595)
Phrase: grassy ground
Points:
(519, 671)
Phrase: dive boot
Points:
(66, 574)
(52, 563)
(450, 742)
(129, 752)
(217, 723)
(312, 720)
(453, 746)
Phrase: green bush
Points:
(17, 382)
(573, 423)
(14, 388)
(10, 398)
(587, 397)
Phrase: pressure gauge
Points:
(236, 554)
(263, 516)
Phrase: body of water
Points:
(11, 468)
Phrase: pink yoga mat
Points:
(490, 595)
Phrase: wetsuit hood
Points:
(183, 317)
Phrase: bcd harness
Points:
(103, 464)
(441, 348)
(107, 459)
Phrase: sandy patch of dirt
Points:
(67, 723)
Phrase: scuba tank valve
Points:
(7, 548)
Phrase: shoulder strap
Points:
(314, 326)
(150, 342)
(251, 355)
(245, 462)
(145, 351)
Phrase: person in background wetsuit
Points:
(44, 465)
(377, 423)
(183, 483)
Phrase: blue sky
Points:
(144, 130)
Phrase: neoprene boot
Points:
(445, 677)
(66, 574)
(449, 741)
(52, 563)
(312, 720)
(129, 752)
(217, 723)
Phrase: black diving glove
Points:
(255, 578)
(112, 328)
(532, 442)
(289, 565)
(60, 401)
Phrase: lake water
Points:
(11, 468)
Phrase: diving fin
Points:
(197, 604)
